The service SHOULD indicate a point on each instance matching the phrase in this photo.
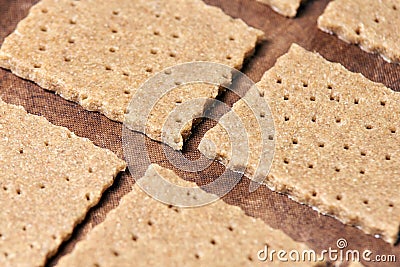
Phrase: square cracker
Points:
(286, 8)
(98, 53)
(146, 232)
(373, 25)
(337, 138)
(49, 179)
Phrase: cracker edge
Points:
(152, 169)
(57, 86)
(340, 32)
(294, 194)
(119, 168)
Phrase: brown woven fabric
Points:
(298, 221)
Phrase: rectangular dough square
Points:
(49, 179)
(98, 53)
(371, 24)
(337, 138)
(149, 233)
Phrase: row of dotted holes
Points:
(337, 169)
(18, 191)
(339, 198)
(46, 143)
(312, 98)
(332, 97)
(212, 241)
(113, 30)
(172, 54)
(392, 130)
(295, 141)
(112, 49)
(150, 223)
(339, 120)
(178, 18)
(153, 51)
(262, 115)
(41, 186)
(176, 36)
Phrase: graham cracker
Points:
(373, 25)
(146, 232)
(50, 179)
(165, 106)
(287, 8)
(336, 141)
(99, 53)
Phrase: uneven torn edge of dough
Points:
(84, 247)
(119, 165)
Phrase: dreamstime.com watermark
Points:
(338, 254)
